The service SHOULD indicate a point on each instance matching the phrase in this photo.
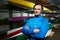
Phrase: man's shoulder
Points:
(44, 18)
(31, 19)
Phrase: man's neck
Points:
(37, 15)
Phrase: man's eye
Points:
(38, 9)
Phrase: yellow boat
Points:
(27, 4)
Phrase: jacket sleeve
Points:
(27, 29)
(44, 28)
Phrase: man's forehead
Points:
(38, 6)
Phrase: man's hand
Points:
(27, 27)
(36, 30)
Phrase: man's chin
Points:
(37, 14)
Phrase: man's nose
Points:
(36, 11)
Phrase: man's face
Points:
(37, 9)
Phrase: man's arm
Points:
(26, 29)
(44, 28)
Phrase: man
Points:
(37, 26)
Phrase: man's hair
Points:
(40, 5)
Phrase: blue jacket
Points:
(40, 23)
